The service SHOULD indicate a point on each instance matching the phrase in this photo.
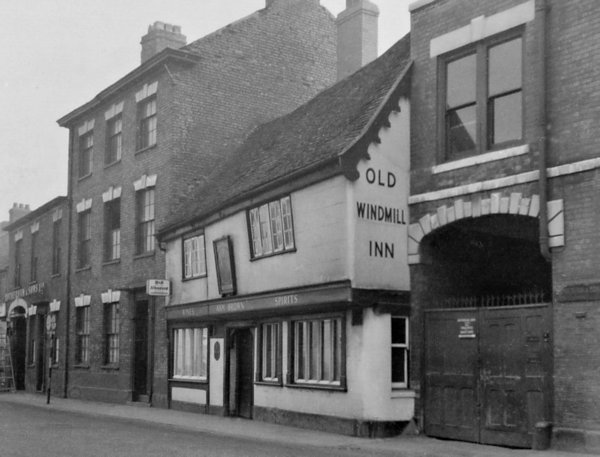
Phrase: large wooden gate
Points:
(487, 373)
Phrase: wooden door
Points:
(241, 373)
(488, 373)
(451, 396)
(515, 357)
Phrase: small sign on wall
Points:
(467, 327)
(158, 287)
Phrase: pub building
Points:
(35, 320)
(289, 272)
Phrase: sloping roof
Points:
(190, 54)
(322, 131)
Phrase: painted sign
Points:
(303, 298)
(380, 209)
(466, 327)
(37, 288)
(158, 287)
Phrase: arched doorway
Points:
(17, 333)
(485, 293)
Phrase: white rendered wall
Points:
(319, 214)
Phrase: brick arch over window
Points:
(497, 203)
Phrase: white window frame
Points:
(403, 346)
(270, 347)
(190, 353)
(320, 362)
(194, 257)
(271, 228)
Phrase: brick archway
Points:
(497, 203)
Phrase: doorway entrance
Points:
(241, 372)
(18, 345)
(487, 312)
(141, 351)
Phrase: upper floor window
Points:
(483, 100)
(114, 139)
(84, 238)
(56, 246)
(86, 145)
(147, 123)
(17, 276)
(145, 220)
(271, 228)
(34, 257)
(112, 229)
(194, 257)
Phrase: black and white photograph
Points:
(300, 228)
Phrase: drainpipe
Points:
(69, 258)
(541, 11)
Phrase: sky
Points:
(56, 55)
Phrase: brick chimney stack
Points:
(18, 211)
(357, 36)
(159, 37)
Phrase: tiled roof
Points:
(318, 132)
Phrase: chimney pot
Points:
(160, 36)
(17, 211)
(357, 31)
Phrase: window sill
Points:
(273, 254)
(402, 392)
(480, 159)
(144, 255)
(81, 178)
(147, 148)
(55, 275)
(81, 366)
(111, 262)
(189, 381)
(269, 383)
(112, 164)
(194, 277)
(110, 367)
(317, 387)
(86, 268)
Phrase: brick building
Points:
(36, 290)
(145, 142)
(504, 246)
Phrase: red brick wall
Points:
(573, 98)
(249, 72)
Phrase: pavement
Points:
(402, 446)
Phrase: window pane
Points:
(255, 232)
(399, 330)
(328, 352)
(506, 118)
(398, 365)
(461, 130)
(276, 226)
(288, 231)
(299, 349)
(505, 67)
(265, 229)
(461, 81)
(315, 350)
